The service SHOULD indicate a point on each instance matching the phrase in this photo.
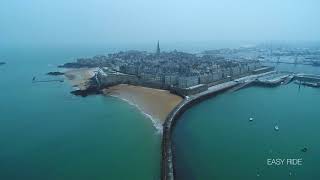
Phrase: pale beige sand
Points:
(79, 77)
(154, 102)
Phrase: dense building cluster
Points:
(178, 68)
(167, 69)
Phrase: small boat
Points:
(251, 119)
(304, 149)
(276, 128)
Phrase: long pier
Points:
(308, 77)
(167, 161)
(167, 172)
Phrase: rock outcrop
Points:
(55, 73)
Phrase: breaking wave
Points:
(155, 122)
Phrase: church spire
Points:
(158, 48)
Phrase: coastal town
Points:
(170, 82)
(179, 72)
(184, 73)
(159, 90)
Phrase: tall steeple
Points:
(158, 48)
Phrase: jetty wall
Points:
(167, 161)
(307, 77)
(168, 157)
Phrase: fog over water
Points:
(39, 22)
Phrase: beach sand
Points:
(154, 102)
(79, 77)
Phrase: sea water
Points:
(47, 133)
(216, 139)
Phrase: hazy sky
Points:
(139, 21)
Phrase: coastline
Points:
(162, 107)
(156, 104)
(168, 156)
(78, 78)
(167, 162)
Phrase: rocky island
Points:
(55, 73)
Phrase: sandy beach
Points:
(154, 102)
(79, 77)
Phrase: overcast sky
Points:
(140, 21)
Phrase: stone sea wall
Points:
(168, 157)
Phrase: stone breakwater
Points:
(168, 157)
(167, 162)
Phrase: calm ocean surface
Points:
(215, 140)
(48, 134)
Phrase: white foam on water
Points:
(155, 122)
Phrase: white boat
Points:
(251, 119)
(276, 128)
